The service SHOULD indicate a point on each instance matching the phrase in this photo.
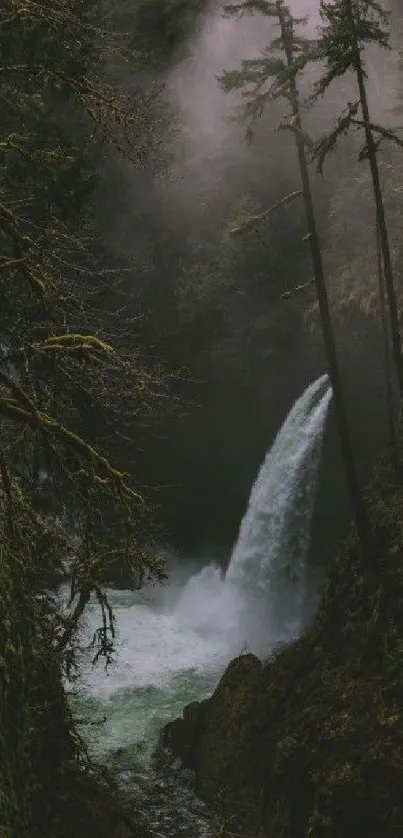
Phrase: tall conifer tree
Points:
(268, 78)
(348, 26)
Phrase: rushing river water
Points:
(174, 642)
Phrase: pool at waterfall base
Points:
(174, 642)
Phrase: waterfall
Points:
(174, 643)
(269, 558)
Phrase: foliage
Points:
(231, 289)
(349, 244)
(346, 22)
(63, 502)
(270, 77)
(155, 29)
(291, 54)
(17, 638)
(348, 27)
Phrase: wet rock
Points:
(180, 737)
(192, 712)
(216, 738)
(177, 737)
(227, 738)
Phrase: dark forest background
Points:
(210, 305)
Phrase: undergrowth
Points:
(49, 788)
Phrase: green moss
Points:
(17, 639)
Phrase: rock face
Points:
(182, 736)
(217, 738)
(310, 745)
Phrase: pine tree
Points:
(271, 77)
(387, 360)
(349, 25)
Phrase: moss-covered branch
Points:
(254, 221)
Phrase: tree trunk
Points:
(380, 211)
(393, 438)
(360, 514)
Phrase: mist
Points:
(246, 368)
(212, 159)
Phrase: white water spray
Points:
(269, 559)
(173, 644)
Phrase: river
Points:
(173, 642)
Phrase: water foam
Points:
(173, 644)
(269, 558)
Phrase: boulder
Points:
(225, 753)
(176, 738)
(192, 712)
(181, 736)
(217, 738)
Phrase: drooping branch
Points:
(72, 622)
(327, 143)
(293, 125)
(297, 289)
(385, 133)
(253, 221)
(23, 411)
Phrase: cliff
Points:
(310, 745)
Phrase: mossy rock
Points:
(226, 745)
(217, 737)
(310, 745)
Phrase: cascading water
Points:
(269, 559)
(173, 643)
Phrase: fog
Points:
(245, 390)
(204, 109)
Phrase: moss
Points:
(91, 806)
(48, 788)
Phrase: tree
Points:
(158, 28)
(354, 258)
(63, 502)
(271, 77)
(348, 26)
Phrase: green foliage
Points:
(27, 542)
(162, 26)
(348, 26)
(66, 392)
(349, 244)
(270, 77)
(229, 295)
(267, 79)
(327, 143)
(156, 28)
